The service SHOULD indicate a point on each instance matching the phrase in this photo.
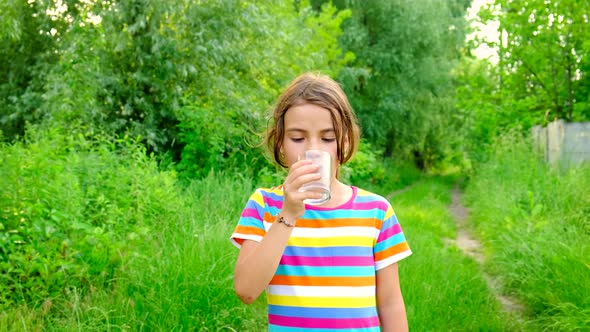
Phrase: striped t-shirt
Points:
(326, 278)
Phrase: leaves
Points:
(542, 56)
(407, 50)
(137, 67)
(71, 207)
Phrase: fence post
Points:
(555, 135)
(540, 140)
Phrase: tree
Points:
(401, 85)
(192, 79)
(29, 32)
(543, 58)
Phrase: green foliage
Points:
(132, 77)
(227, 107)
(178, 275)
(479, 113)
(28, 50)
(543, 59)
(93, 236)
(368, 170)
(73, 206)
(145, 67)
(536, 225)
(364, 166)
(156, 70)
(401, 85)
(194, 264)
(533, 83)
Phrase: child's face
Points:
(308, 127)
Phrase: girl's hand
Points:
(300, 173)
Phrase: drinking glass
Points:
(322, 186)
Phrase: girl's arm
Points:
(258, 261)
(390, 302)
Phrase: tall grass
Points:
(189, 281)
(535, 222)
(146, 253)
(444, 290)
(181, 278)
(73, 206)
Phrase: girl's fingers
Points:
(302, 166)
(293, 186)
(300, 173)
(297, 197)
(300, 170)
(303, 179)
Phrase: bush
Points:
(369, 171)
(72, 207)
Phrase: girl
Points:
(331, 267)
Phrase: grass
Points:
(157, 256)
(179, 279)
(131, 248)
(444, 290)
(534, 220)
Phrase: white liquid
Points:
(321, 186)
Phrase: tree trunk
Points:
(388, 152)
(569, 103)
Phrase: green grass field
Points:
(99, 239)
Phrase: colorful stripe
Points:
(324, 323)
(328, 252)
(315, 242)
(322, 281)
(326, 232)
(388, 232)
(370, 222)
(328, 261)
(314, 312)
(276, 328)
(390, 242)
(322, 302)
(333, 291)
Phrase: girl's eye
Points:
(328, 140)
(296, 140)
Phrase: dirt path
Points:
(471, 247)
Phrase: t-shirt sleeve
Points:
(251, 223)
(391, 245)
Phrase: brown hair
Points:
(322, 91)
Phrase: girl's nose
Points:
(312, 147)
(314, 144)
